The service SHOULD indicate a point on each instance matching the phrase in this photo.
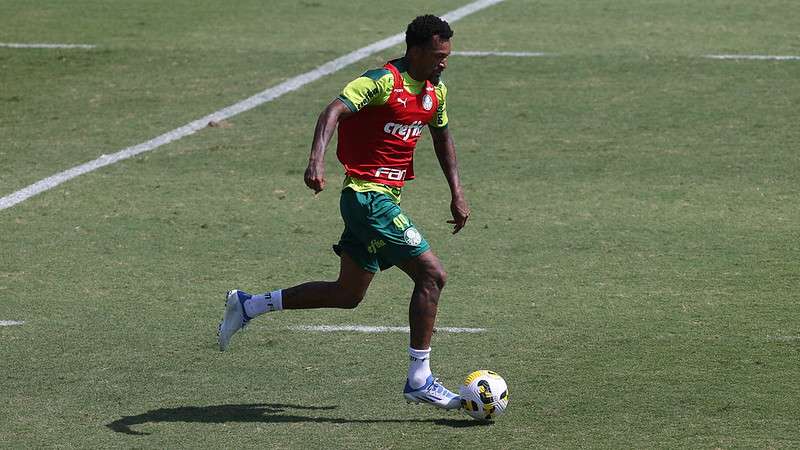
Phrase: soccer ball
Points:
(484, 395)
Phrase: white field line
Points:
(41, 45)
(784, 338)
(515, 54)
(262, 97)
(755, 57)
(376, 329)
(10, 323)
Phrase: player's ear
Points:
(413, 52)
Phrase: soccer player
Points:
(380, 116)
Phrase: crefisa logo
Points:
(404, 132)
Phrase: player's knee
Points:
(351, 301)
(435, 278)
(440, 278)
(349, 298)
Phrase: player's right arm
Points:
(323, 132)
(371, 88)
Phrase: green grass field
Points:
(634, 248)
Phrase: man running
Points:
(380, 116)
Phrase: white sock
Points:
(420, 367)
(261, 303)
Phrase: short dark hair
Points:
(421, 30)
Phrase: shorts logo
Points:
(412, 236)
(427, 102)
(375, 245)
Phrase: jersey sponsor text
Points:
(404, 132)
(390, 173)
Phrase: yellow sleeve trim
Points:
(364, 91)
(440, 117)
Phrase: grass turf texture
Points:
(633, 247)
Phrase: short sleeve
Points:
(370, 89)
(440, 117)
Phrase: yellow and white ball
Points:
(484, 395)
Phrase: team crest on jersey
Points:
(427, 102)
(412, 236)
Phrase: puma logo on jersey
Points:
(403, 101)
(404, 132)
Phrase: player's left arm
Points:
(446, 153)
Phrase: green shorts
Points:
(377, 235)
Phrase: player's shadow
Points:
(256, 412)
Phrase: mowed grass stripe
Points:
(262, 97)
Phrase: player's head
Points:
(428, 46)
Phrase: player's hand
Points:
(315, 177)
(460, 211)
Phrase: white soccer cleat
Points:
(234, 319)
(433, 393)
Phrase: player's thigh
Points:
(358, 239)
(399, 240)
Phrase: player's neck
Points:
(417, 78)
(412, 71)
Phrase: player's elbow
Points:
(334, 112)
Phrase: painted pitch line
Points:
(515, 54)
(784, 338)
(376, 329)
(262, 97)
(10, 323)
(755, 57)
(40, 45)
